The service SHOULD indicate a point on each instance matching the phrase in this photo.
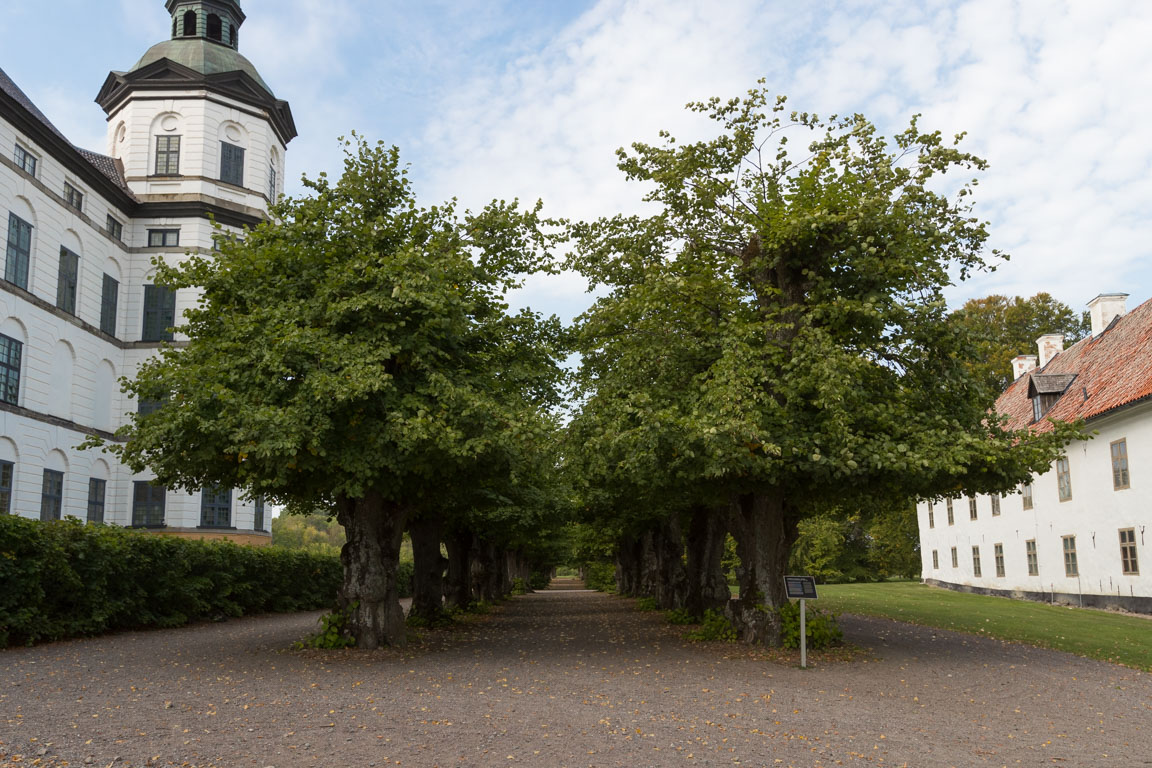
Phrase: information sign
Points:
(802, 587)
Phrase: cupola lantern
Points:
(215, 20)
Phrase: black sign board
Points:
(803, 587)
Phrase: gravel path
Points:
(562, 678)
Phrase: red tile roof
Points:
(1112, 370)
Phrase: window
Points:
(159, 313)
(109, 295)
(215, 507)
(955, 558)
(1026, 491)
(114, 228)
(1120, 464)
(51, 495)
(25, 160)
(1064, 479)
(1033, 564)
(189, 23)
(1070, 568)
(145, 406)
(73, 197)
(7, 470)
(935, 560)
(163, 238)
(971, 507)
(96, 488)
(167, 155)
(231, 164)
(931, 516)
(215, 27)
(10, 353)
(66, 281)
(258, 513)
(19, 251)
(998, 550)
(271, 183)
(976, 561)
(951, 517)
(1128, 551)
(995, 504)
(147, 504)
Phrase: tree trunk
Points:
(628, 566)
(487, 571)
(428, 570)
(458, 587)
(707, 584)
(764, 532)
(649, 567)
(374, 529)
(671, 579)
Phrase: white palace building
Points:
(193, 132)
(1078, 533)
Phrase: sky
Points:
(530, 99)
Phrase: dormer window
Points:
(1045, 389)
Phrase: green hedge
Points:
(65, 579)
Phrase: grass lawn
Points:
(1096, 634)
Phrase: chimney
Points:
(1104, 309)
(1050, 345)
(1022, 364)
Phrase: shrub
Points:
(647, 604)
(600, 576)
(681, 616)
(519, 587)
(66, 579)
(333, 632)
(820, 627)
(539, 580)
(715, 626)
(404, 574)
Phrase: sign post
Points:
(802, 588)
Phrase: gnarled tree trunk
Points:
(707, 585)
(628, 566)
(374, 529)
(428, 570)
(671, 579)
(458, 586)
(764, 530)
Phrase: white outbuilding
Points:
(1077, 533)
(194, 135)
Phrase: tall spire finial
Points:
(215, 20)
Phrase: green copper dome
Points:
(204, 56)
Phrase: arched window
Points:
(232, 36)
(190, 24)
(215, 28)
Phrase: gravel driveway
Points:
(562, 678)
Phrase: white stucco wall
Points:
(1094, 515)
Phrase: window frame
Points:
(7, 481)
(1026, 496)
(9, 370)
(147, 498)
(96, 501)
(976, 570)
(152, 326)
(109, 307)
(935, 560)
(167, 160)
(258, 521)
(1064, 479)
(1121, 475)
(1032, 557)
(995, 500)
(215, 504)
(23, 157)
(114, 228)
(52, 504)
(67, 280)
(972, 513)
(168, 238)
(998, 556)
(951, 512)
(232, 157)
(1129, 561)
(17, 273)
(955, 558)
(73, 197)
(272, 182)
(1071, 565)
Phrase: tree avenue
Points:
(357, 355)
(774, 341)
